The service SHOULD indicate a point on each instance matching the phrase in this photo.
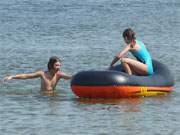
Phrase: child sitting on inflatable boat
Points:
(143, 64)
(49, 79)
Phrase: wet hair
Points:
(129, 34)
(51, 62)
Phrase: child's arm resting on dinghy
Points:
(120, 55)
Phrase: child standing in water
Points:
(143, 64)
(49, 79)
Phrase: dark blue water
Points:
(86, 34)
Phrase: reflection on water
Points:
(110, 101)
(124, 104)
(128, 105)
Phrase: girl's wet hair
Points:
(51, 62)
(129, 34)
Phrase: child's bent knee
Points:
(124, 60)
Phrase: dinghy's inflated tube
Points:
(115, 83)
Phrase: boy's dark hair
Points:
(51, 62)
(129, 34)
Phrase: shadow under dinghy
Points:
(115, 83)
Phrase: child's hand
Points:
(7, 78)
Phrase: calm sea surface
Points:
(86, 34)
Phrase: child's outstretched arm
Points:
(24, 76)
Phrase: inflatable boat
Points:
(115, 83)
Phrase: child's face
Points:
(57, 66)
